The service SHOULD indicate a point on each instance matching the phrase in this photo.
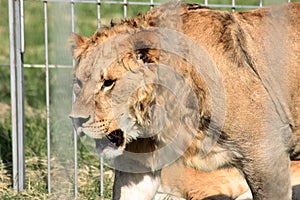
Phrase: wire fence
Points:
(17, 49)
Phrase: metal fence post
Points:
(16, 37)
(47, 98)
(233, 6)
(101, 157)
(73, 99)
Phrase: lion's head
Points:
(115, 99)
(129, 94)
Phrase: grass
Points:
(62, 163)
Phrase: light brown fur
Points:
(182, 181)
(257, 54)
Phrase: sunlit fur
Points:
(257, 55)
(188, 183)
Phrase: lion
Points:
(213, 88)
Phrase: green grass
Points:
(60, 89)
(4, 37)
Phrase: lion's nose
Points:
(78, 121)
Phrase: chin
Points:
(108, 149)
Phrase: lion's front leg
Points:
(268, 174)
(135, 186)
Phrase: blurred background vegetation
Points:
(61, 97)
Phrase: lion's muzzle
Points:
(78, 122)
(98, 131)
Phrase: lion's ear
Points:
(77, 44)
(147, 46)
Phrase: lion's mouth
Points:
(116, 137)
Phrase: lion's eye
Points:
(77, 85)
(78, 82)
(108, 83)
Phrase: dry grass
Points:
(62, 181)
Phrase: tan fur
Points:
(188, 183)
(257, 54)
